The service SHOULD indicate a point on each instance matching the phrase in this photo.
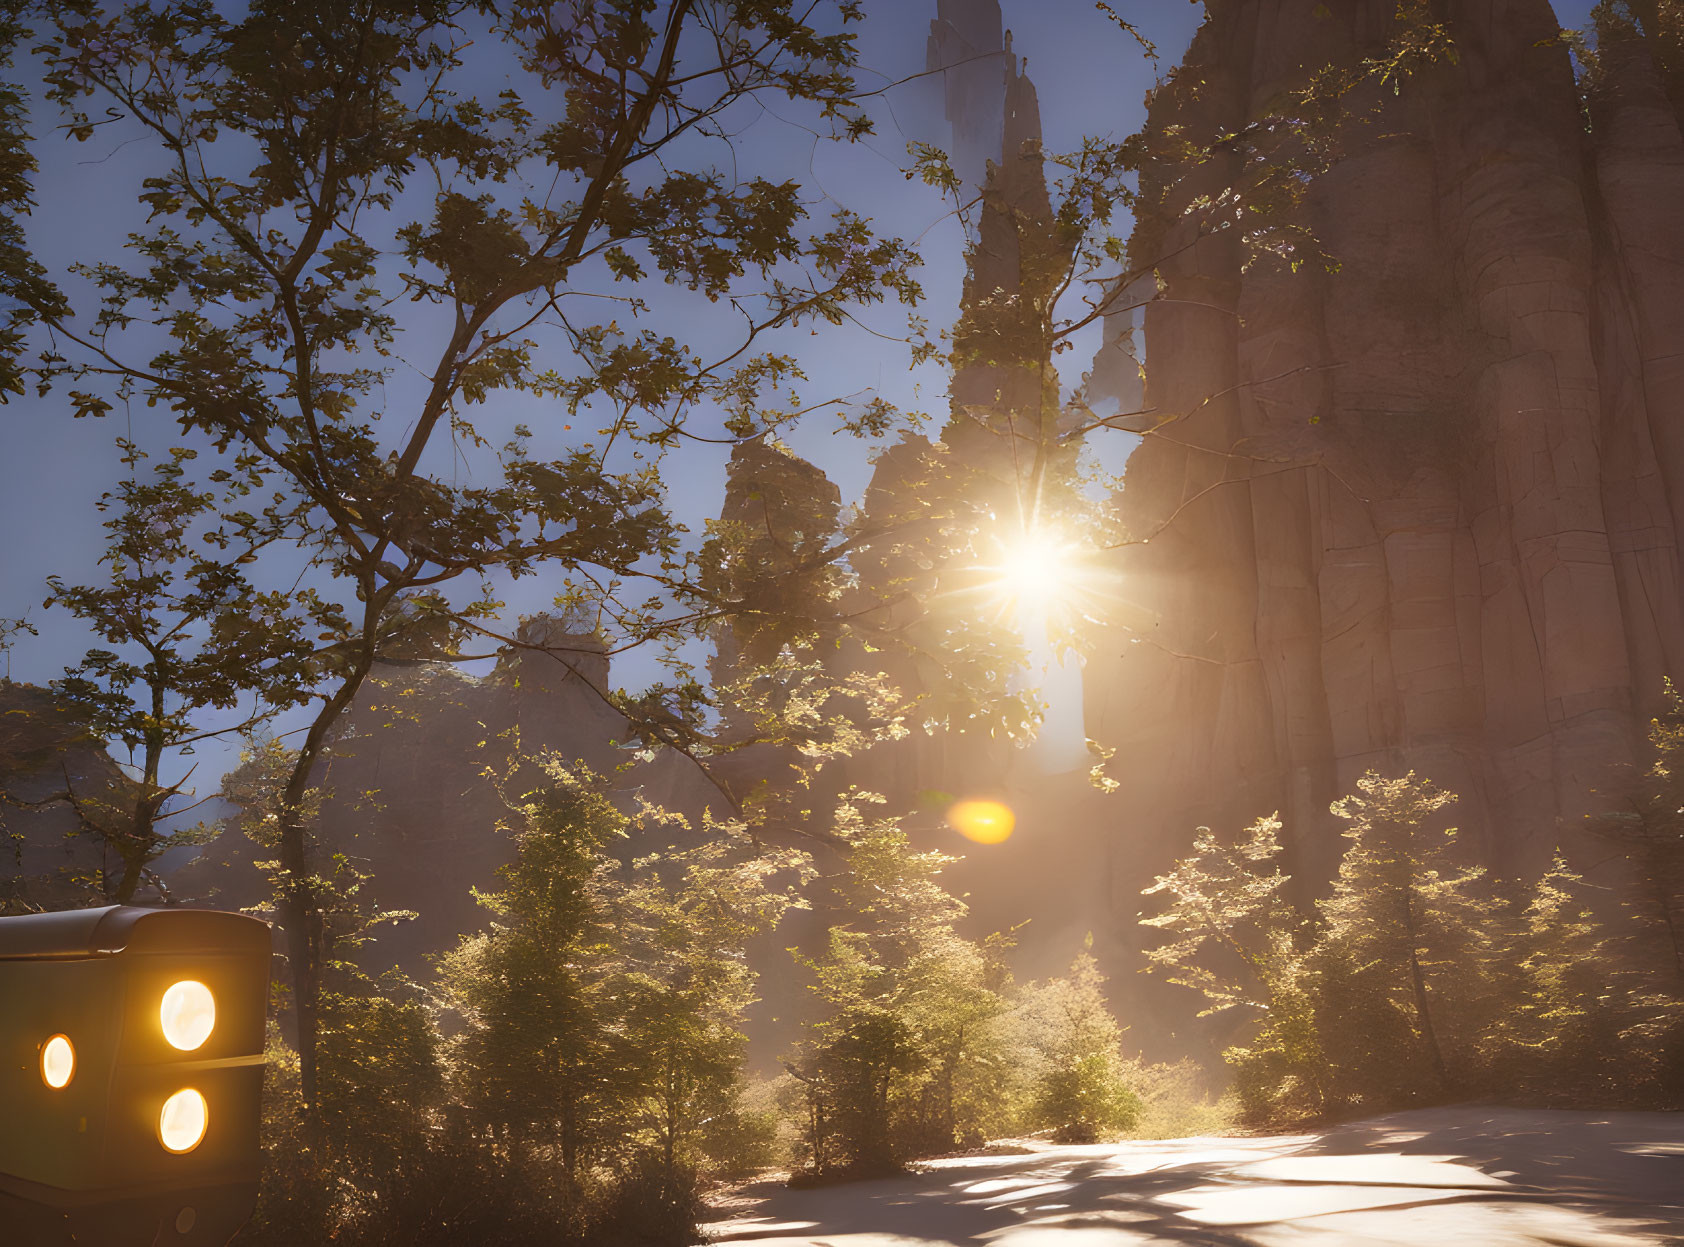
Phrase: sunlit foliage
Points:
(1070, 1049)
(902, 1055)
(1418, 980)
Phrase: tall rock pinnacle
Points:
(1005, 395)
(1421, 510)
(967, 46)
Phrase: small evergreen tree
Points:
(1562, 1038)
(1410, 932)
(1651, 835)
(906, 1009)
(684, 984)
(1417, 980)
(603, 1009)
(1236, 940)
(1225, 906)
(538, 1066)
(1072, 1046)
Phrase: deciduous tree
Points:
(316, 168)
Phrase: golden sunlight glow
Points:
(983, 822)
(181, 1126)
(188, 1013)
(1036, 568)
(1040, 575)
(58, 1062)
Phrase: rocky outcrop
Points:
(53, 772)
(1421, 509)
(415, 785)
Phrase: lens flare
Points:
(1040, 576)
(58, 1062)
(181, 1126)
(188, 1013)
(983, 822)
(1036, 569)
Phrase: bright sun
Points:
(1039, 573)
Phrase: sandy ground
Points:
(1461, 1177)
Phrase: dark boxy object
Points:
(85, 1162)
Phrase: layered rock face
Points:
(1423, 510)
(421, 777)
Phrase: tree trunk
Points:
(301, 918)
(675, 1109)
(1418, 981)
(569, 1135)
(298, 923)
(143, 824)
(949, 1127)
(1662, 870)
(130, 882)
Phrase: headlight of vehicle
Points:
(181, 1126)
(188, 1013)
(58, 1062)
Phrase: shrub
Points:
(1078, 1088)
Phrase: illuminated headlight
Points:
(58, 1062)
(188, 1014)
(181, 1126)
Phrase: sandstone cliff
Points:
(1422, 510)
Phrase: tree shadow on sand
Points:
(1491, 1176)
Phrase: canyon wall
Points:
(1420, 507)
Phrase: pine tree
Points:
(603, 1010)
(1225, 904)
(1651, 834)
(538, 1060)
(1409, 935)
(906, 1006)
(1236, 940)
(1562, 1039)
(683, 922)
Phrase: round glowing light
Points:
(1037, 568)
(181, 1126)
(1041, 575)
(188, 1014)
(984, 822)
(58, 1062)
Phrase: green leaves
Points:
(1416, 976)
(481, 250)
(604, 1009)
(1647, 827)
(184, 631)
(902, 1060)
(268, 265)
(1226, 904)
(1078, 1091)
(704, 234)
(26, 288)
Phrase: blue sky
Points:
(1090, 78)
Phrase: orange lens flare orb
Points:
(983, 822)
